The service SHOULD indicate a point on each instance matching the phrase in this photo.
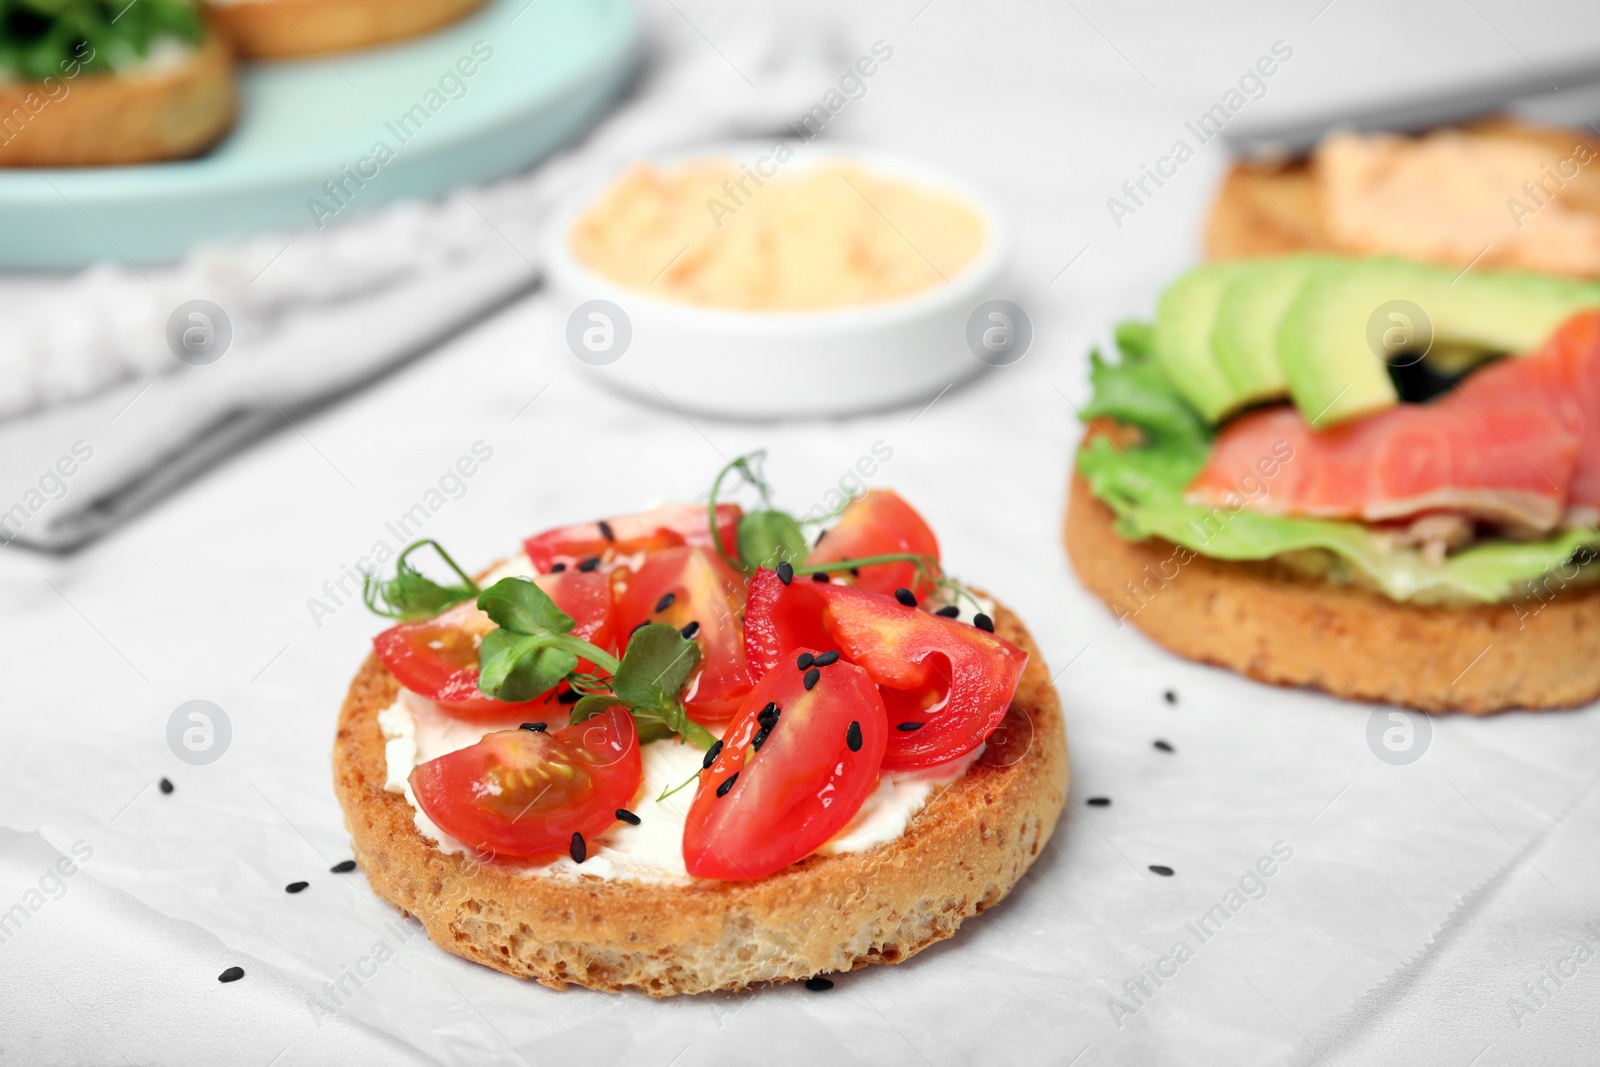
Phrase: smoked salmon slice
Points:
(1517, 445)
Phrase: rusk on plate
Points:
(288, 29)
(961, 854)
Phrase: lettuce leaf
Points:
(1143, 485)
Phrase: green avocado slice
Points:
(1252, 309)
(1185, 317)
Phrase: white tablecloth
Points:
(1417, 907)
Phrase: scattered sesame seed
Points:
(1162, 869)
(232, 974)
(343, 867)
(760, 738)
(690, 630)
(785, 572)
(1165, 746)
(606, 531)
(578, 849)
(571, 696)
(906, 597)
(589, 564)
(983, 622)
(637, 627)
(711, 754)
(627, 816)
(1170, 696)
(852, 737)
(295, 887)
(805, 660)
(666, 601)
(821, 576)
(949, 611)
(536, 727)
(826, 659)
(1099, 802)
(819, 985)
(820, 535)
(811, 677)
(768, 717)
(907, 727)
(727, 784)
(166, 785)
(558, 568)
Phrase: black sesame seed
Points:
(166, 785)
(711, 754)
(578, 849)
(826, 659)
(589, 564)
(1161, 869)
(949, 611)
(690, 630)
(819, 985)
(983, 622)
(852, 737)
(820, 576)
(785, 572)
(760, 738)
(907, 727)
(806, 659)
(343, 867)
(295, 887)
(536, 727)
(627, 816)
(1170, 696)
(906, 597)
(232, 974)
(727, 784)
(855, 572)
(606, 531)
(571, 696)
(1165, 746)
(666, 601)
(811, 677)
(637, 627)
(1099, 802)
(558, 568)
(769, 716)
(820, 535)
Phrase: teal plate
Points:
(540, 73)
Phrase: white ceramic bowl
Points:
(758, 364)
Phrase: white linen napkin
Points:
(98, 418)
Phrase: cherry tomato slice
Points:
(649, 531)
(876, 524)
(522, 794)
(438, 658)
(690, 586)
(759, 809)
(775, 622)
(954, 679)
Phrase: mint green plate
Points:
(543, 70)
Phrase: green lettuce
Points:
(1143, 485)
(63, 38)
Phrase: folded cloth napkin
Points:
(98, 418)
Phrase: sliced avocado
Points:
(1245, 338)
(1185, 316)
(1332, 342)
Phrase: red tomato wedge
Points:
(690, 586)
(438, 658)
(759, 809)
(877, 524)
(522, 794)
(649, 531)
(955, 680)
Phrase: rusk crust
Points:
(961, 854)
(109, 119)
(289, 29)
(1280, 626)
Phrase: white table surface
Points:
(1419, 899)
